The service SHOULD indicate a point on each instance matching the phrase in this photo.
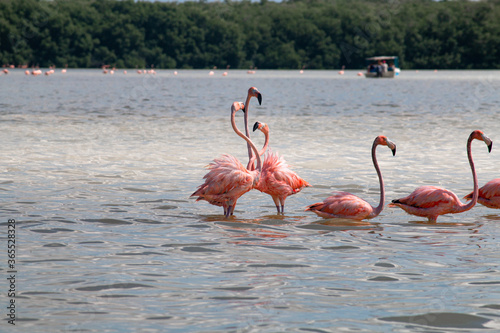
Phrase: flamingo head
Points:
(479, 135)
(237, 106)
(261, 126)
(254, 92)
(383, 140)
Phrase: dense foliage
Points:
(316, 34)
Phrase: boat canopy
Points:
(393, 59)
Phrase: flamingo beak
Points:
(259, 98)
(392, 146)
(256, 126)
(488, 142)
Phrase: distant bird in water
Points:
(488, 195)
(347, 205)
(276, 178)
(228, 179)
(432, 201)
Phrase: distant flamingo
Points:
(432, 201)
(252, 92)
(347, 205)
(489, 194)
(276, 178)
(228, 179)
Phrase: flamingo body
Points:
(227, 179)
(431, 201)
(277, 179)
(342, 205)
(349, 206)
(489, 194)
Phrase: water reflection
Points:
(341, 225)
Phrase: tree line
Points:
(313, 34)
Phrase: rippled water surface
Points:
(97, 171)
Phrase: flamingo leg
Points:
(276, 203)
(232, 208)
(282, 201)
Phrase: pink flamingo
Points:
(228, 179)
(349, 206)
(432, 201)
(488, 195)
(252, 92)
(276, 178)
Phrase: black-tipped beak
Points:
(259, 98)
(243, 109)
(489, 147)
(392, 146)
(256, 126)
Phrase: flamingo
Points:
(432, 201)
(349, 206)
(276, 178)
(252, 92)
(228, 179)
(488, 195)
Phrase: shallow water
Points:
(97, 171)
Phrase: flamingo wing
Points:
(342, 205)
(490, 189)
(429, 197)
(489, 194)
(226, 177)
(277, 178)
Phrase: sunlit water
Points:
(97, 171)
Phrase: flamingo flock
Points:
(227, 180)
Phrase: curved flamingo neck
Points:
(250, 165)
(247, 139)
(378, 209)
(464, 207)
(247, 130)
